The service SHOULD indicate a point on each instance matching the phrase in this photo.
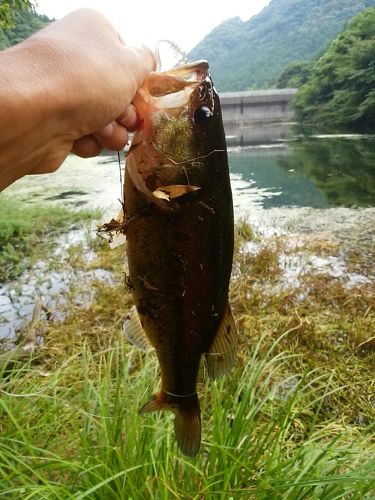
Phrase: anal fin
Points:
(134, 331)
(222, 354)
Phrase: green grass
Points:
(294, 418)
(25, 232)
(77, 434)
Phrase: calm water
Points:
(315, 172)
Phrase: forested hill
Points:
(339, 94)
(26, 22)
(252, 54)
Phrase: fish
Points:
(178, 221)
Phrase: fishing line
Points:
(120, 172)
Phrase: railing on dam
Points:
(258, 106)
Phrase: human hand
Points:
(67, 88)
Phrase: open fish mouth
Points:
(171, 90)
(175, 81)
(172, 106)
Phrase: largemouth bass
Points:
(179, 230)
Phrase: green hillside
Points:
(26, 22)
(252, 54)
(339, 95)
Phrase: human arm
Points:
(67, 88)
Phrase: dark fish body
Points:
(180, 245)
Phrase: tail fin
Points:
(187, 428)
(187, 422)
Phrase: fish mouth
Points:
(171, 90)
(167, 102)
(197, 71)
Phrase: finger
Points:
(136, 64)
(129, 118)
(87, 147)
(48, 168)
(114, 136)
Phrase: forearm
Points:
(32, 112)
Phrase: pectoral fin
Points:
(174, 191)
(222, 354)
(134, 331)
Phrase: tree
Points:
(25, 22)
(8, 9)
(340, 93)
(295, 75)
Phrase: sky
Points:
(185, 22)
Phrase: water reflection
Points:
(255, 134)
(313, 172)
(343, 169)
(317, 172)
(276, 186)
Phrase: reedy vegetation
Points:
(293, 420)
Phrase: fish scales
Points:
(177, 284)
(180, 248)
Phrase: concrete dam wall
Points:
(258, 106)
(255, 117)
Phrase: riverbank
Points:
(293, 419)
(27, 231)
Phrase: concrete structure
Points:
(259, 106)
(257, 117)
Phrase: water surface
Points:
(317, 172)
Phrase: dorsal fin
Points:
(176, 56)
(222, 354)
(134, 331)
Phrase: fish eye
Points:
(201, 115)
